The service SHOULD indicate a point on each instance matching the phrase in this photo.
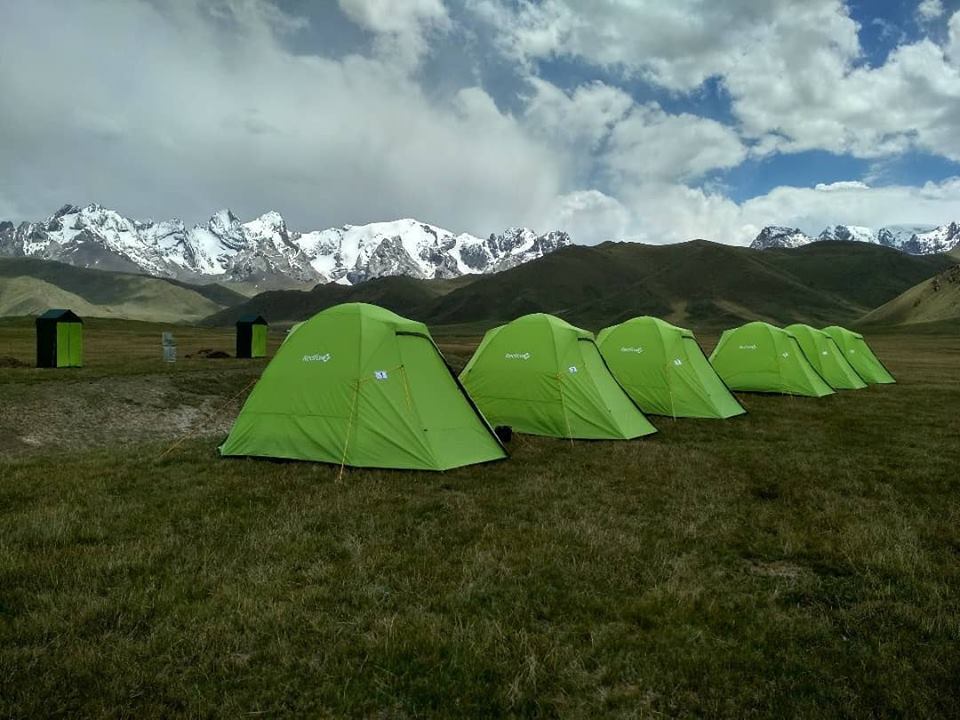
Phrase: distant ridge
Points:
(911, 239)
(698, 284)
(29, 286)
(264, 252)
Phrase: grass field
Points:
(800, 561)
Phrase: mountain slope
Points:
(31, 296)
(933, 300)
(697, 283)
(865, 274)
(264, 252)
(400, 294)
(28, 286)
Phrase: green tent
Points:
(758, 357)
(59, 339)
(663, 369)
(860, 356)
(543, 376)
(826, 357)
(358, 385)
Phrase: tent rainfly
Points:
(543, 376)
(826, 357)
(663, 369)
(251, 337)
(358, 385)
(758, 357)
(860, 356)
(59, 339)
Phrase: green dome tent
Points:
(826, 357)
(663, 369)
(358, 385)
(860, 356)
(758, 357)
(543, 376)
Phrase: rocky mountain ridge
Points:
(265, 251)
(911, 239)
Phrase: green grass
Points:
(800, 561)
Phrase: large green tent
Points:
(826, 357)
(662, 367)
(758, 357)
(860, 356)
(543, 376)
(358, 385)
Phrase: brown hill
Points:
(933, 300)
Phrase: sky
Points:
(637, 120)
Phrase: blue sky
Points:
(612, 119)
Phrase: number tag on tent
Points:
(572, 369)
(678, 362)
(380, 374)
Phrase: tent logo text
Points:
(517, 356)
(748, 347)
(325, 357)
(632, 349)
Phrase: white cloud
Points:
(192, 106)
(589, 216)
(666, 213)
(794, 71)
(909, 102)
(402, 27)
(8, 210)
(180, 113)
(953, 39)
(650, 144)
(677, 44)
(929, 10)
(584, 116)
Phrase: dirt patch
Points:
(210, 354)
(11, 362)
(111, 412)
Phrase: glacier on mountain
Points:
(912, 239)
(265, 251)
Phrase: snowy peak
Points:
(912, 239)
(778, 236)
(848, 233)
(409, 247)
(265, 250)
(937, 240)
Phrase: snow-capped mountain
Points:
(265, 251)
(848, 233)
(912, 239)
(936, 240)
(776, 236)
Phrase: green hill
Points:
(935, 300)
(29, 286)
(698, 283)
(401, 294)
